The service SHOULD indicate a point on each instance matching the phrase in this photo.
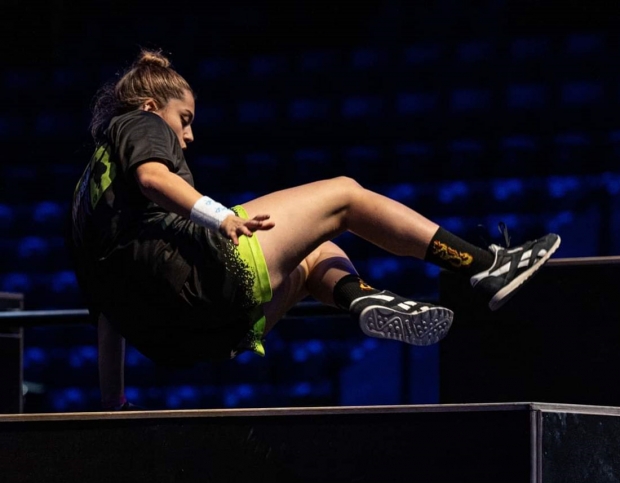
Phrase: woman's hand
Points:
(233, 226)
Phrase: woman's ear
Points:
(149, 105)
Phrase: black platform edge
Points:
(315, 411)
(465, 443)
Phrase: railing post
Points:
(11, 358)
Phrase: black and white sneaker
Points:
(512, 267)
(388, 316)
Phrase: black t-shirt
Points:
(113, 222)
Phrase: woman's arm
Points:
(174, 194)
(165, 188)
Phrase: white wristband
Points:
(209, 213)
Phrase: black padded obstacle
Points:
(521, 442)
(558, 340)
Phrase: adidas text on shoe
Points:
(512, 267)
(388, 316)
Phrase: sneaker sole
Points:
(506, 293)
(422, 328)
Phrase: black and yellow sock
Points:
(453, 253)
(349, 288)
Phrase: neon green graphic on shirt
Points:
(102, 176)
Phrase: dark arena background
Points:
(472, 112)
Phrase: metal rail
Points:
(33, 318)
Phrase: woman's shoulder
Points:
(136, 117)
(138, 123)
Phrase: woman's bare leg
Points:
(316, 275)
(309, 215)
(297, 250)
(397, 319)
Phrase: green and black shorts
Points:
(218, 311)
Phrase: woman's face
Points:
(179, 114)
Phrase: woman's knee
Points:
(346, 184)
(325, 250)
(327, 256)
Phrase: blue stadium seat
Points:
(405, 193)
(253, 112)
(507, 189)
(33, 249)
(579, 229)
(585, 45)
(573, 153)
(581, 93)
(367, 58)
(22, 80)
(9, 259)
(527, 96)
(460, 197)
(35, 356)
(64, 281)
(236, 396)
(211, 115)
(7, 218)
(134, 359)
(379, 269)
(217, 68)
(475, 51)
(66, 77)
(312, 164)
(49, 216)
(13, 126)
(263, 66)
(416, 161)
(404, 275)
(317, 61)
(305, 350)
(361, 107)
(19, 282)
(610, 158)
(359, 350)
(82, 356)
(69, 399)
(309, 109)
(20, 175)
(530, 48)
(467, 158)
(417, 103)
(56, 123)
(62, 290)
(520, 155)
(5, 127)
(470, 99)
(423, 54)
(364, 163)
(263, 166)
(181, 397)
(65, 176)
(212, 171)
